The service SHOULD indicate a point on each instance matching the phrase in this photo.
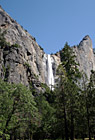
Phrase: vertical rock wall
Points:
(28, 63)
(24, 64)
(85, 56)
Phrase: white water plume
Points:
(50, 76)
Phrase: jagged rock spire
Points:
(85, 55)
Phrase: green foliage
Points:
(4, 69)
(46, 111)
(47, 89)
(3, 42)
(41, 47)
(34, 38)
(69, 63)
(16, 46)
(90, 104)
(17, 110)
(68, 112)
(6, 72)
(27, 65)
(75, 107)
(36, 76)
(68, 91)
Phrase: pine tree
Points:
(68, 89)
(90, 105)
(17, 111)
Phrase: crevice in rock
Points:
(28, 53)
(6, 74)
(5, 68)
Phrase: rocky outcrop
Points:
(22, 60)
(85, 56)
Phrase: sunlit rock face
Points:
(85, 56)
(28, 64)
(25, 64)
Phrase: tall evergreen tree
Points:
(17, 111)
(68, 88)
(90, 105)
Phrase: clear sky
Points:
(54, 22)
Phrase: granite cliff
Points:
(85, 55)
(22, 60)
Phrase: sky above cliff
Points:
(54, 22)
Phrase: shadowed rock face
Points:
(28, 63)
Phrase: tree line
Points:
(67, 112)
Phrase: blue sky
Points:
(54, 22)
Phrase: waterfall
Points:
(50, 76)
(48, 62)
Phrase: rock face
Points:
(85, 55)
(27, 63)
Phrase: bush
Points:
(27, 65)
(16, 45)
(41, 47)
